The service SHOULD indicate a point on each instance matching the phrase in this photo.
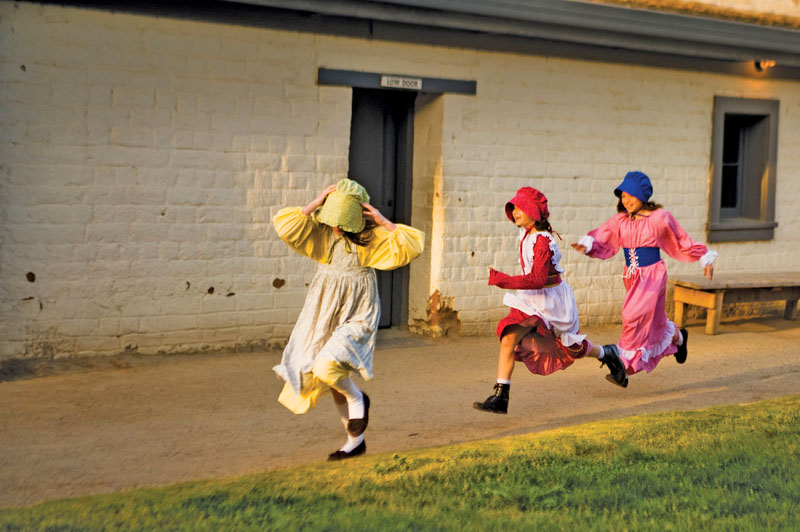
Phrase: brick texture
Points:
(142, 158)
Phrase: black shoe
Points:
(341, 455)
(356, 427)
(680, 356)
(616, 368)
(497, 403)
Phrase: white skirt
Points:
(555, 305)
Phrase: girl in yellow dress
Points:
(335, 333)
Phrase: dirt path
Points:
(136, 423)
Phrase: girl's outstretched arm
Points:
(600, 243)
(580, 248)
(536, 278)
(708, 271)
(680, 246)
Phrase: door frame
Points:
(413, 83)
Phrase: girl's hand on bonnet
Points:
(319, 200)
(578, 247)
(377, 217)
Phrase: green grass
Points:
(724, 468)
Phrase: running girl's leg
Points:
(349, 401)
(498, 403)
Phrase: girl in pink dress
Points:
(541, 329)
(643, 228)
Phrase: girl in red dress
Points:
(542, 328)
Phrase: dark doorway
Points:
(381, 142)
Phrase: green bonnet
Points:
(342, 207)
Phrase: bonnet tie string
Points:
(521, 260)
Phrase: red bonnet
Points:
(531, 202)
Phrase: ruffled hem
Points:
(642, 358)
(301, 400)
(541, 350)
(567, 338)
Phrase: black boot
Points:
(616, 368)
(680, 356)
(497, 403)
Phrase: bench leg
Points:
(712, 320)
(680, 314)
(791, 309)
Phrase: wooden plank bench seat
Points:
(734, 288)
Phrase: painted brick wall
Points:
(573, 129)
(141, 159)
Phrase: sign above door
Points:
(377, 80)
(399, 82)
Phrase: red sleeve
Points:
(537, 277)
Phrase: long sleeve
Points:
(605, 239)
(392, 249)
(676, 242)
(533, 280)
(302, 233)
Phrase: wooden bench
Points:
(734, 288)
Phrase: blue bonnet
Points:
(637, 184)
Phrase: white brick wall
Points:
(585, 126)
(141, 160)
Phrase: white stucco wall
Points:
(141, 159)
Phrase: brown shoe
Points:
(356, 427)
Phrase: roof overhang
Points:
(617, 31)
(554, 28)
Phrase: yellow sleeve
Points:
(302, 233)
(392, 249)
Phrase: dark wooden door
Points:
(381, 142)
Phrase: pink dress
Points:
(647, 334)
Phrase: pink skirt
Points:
(647, 333)
(540, 350)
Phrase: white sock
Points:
(352, 443)
(602, 353)
(504, 381)
(680, 338)
(355, 399)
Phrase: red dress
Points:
(543, 302)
